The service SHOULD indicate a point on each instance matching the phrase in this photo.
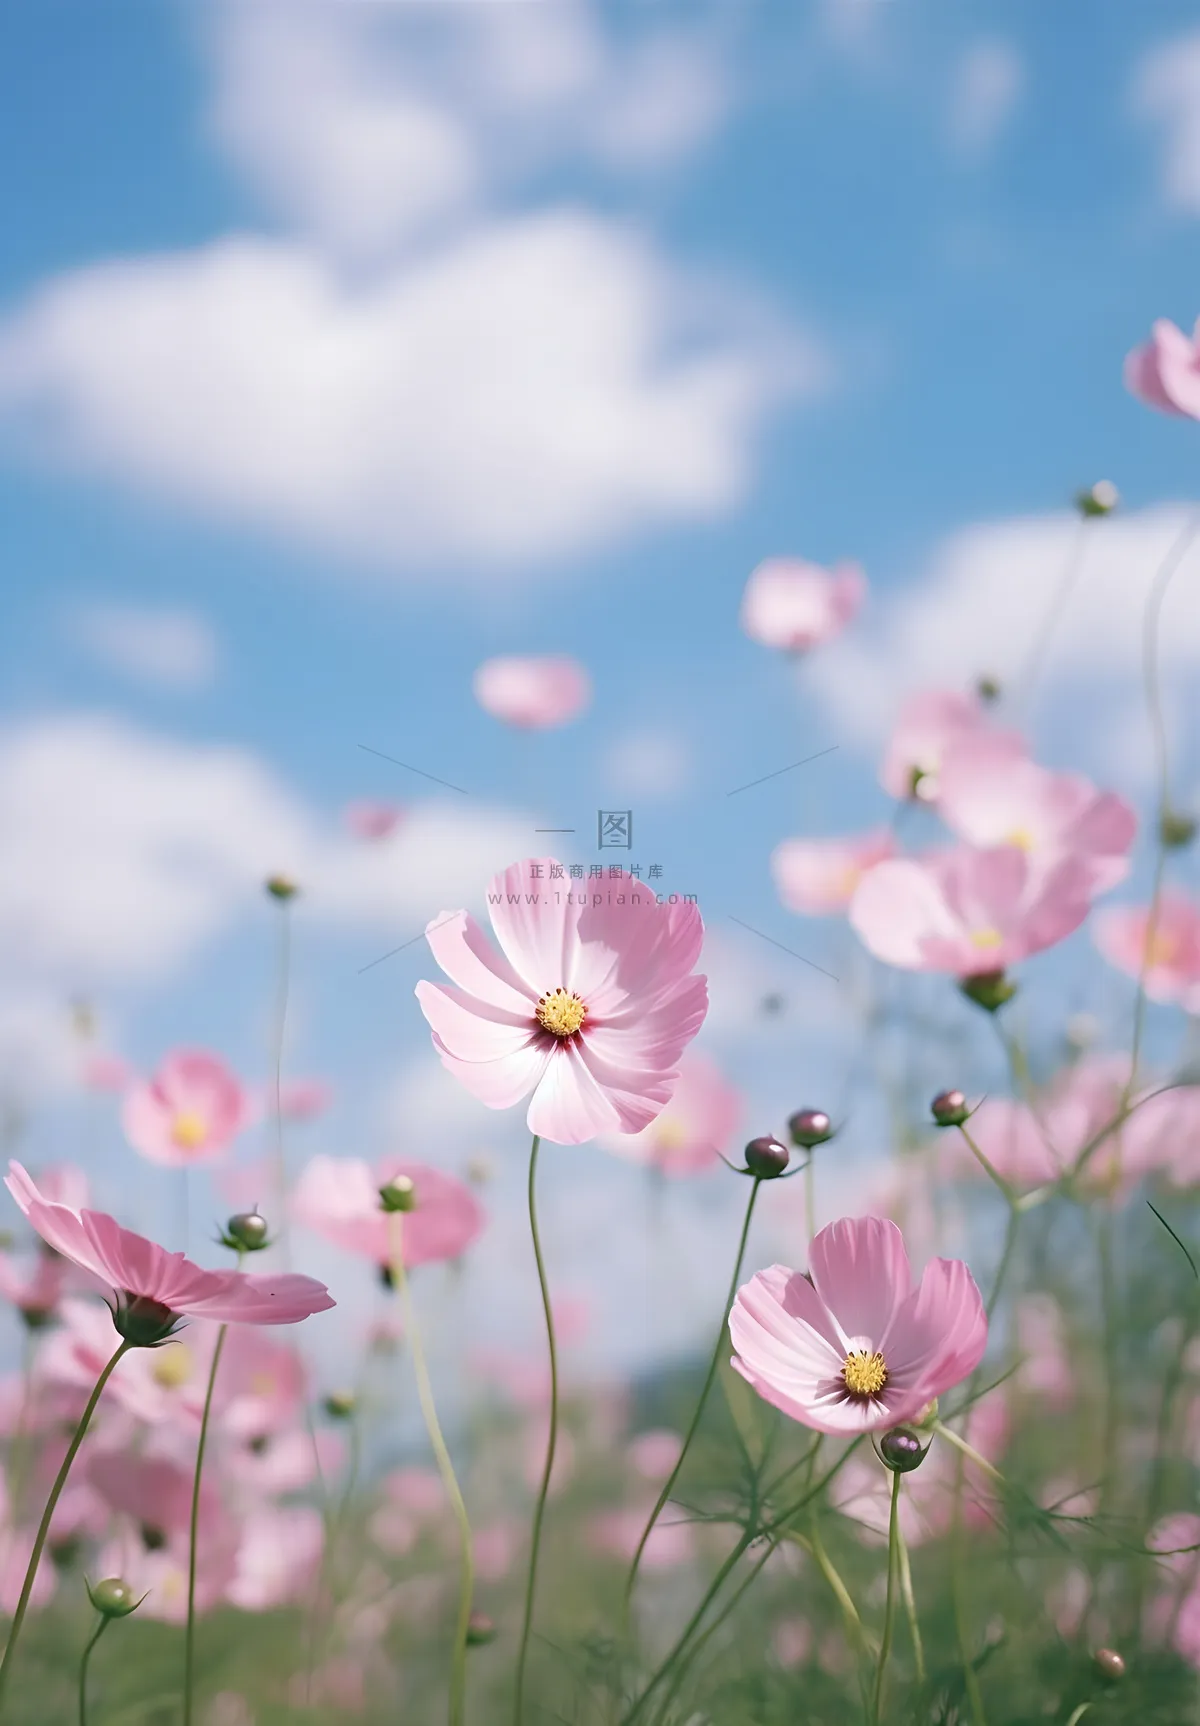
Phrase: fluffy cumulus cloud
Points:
(986, 90)
(122, 852)
(168, 648)
(425, 369)
(1166, 92)
(983, 606)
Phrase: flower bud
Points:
(809, 1127)
(480, 1630)
(247, 1231)
(901, 1450)
(772, 1005)
(399, 1195)
(143, 1322)
(1099, 499)
(281, 887)
(949, 1109)
(990, 990)
(1176, 830)
(1109, 1665)
(112, 1598)
(340, 1405)
(479, 1171)
(988, 688)
(766, 1158)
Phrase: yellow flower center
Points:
(262, 1384)
(986, 938)
(1021, 837)
(864, 1374)
(172, 1365)
(846, 880)
(189, 1129)
(670, 1135)
(560, 1013)
(1162, 949)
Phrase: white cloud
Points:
(174, 649)
(983, 604)
(121, 853)
(647, 764)
(519, 395)
(1166, 91)
(986, 89)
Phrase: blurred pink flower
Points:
(155, 1492)
(1165, 371)
(655, 1453)
(536, 1444)
(588, 1006)
(107, 1072)
(795, 605)
(928, 724)
(990, 794)
(277, 1556)
(161, 1572)
(192, 1109)
(414, 1501)
(496, 1547)
(299, 1099)
(852, 1346)
(967, 912)
(694, 1127)
(261, 1386)
(338, 1197)
(1162, 1135)
(157, 1386)
(34, 1287)
(1171, 957)
(367, 820)
(272, 1464)
(817, 877)
(155, 1287)
(792, 1641)
(862, 1489)
(1046, 1370)
(16, 1549)
(671, 1543)
(536, 692)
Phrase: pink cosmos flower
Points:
(107, 1072)
(589, 1006)
(277, 1556)
(817, 877)
(671, 1543)
(281, 1461)
(191, 1110)
(16, 1549)
(968, 912)
(696, 1125)
(414, 1502)
(368, 820)
(1046, 1369)
(299, 1099)
(338, 1197)
(928, 724)
(655, 1453)
(152, 1287)
(1162, 1136)
(1165, 371)
(496, 1547)
(261, 1387)
(534, 693)
(1172, 954)
(795, 605)
(991, 794)
(852, 1346)
(159, 1387)
(34, 1288)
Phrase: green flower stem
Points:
(775, 1531)
(721, 1344)
(968, 1450)
(60, 1480)
(97, 1633)
(910, 1604)
(189, 1643)
(889, 1610)
(1079, 1713)
(458, 1671)
(987, 1167)
(539, 1512)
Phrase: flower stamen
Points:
(864, 1374)
(560, 1013)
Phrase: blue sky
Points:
(427, 332)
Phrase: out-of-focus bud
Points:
(988, 688)
(281, 887)
(773, 1005)
(949, 1109)
(1082, 1031)
(766, 1158)
(340, 1405)
(989, 991)
(113, 1598)
(246, 1232)
(927, 1419)
(901, 1450)
(479, 1171)
(480, 1630)
(1109, 1665)
(1099, 499)
(809, 1127)
(399, 1195)
(1176, 830)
